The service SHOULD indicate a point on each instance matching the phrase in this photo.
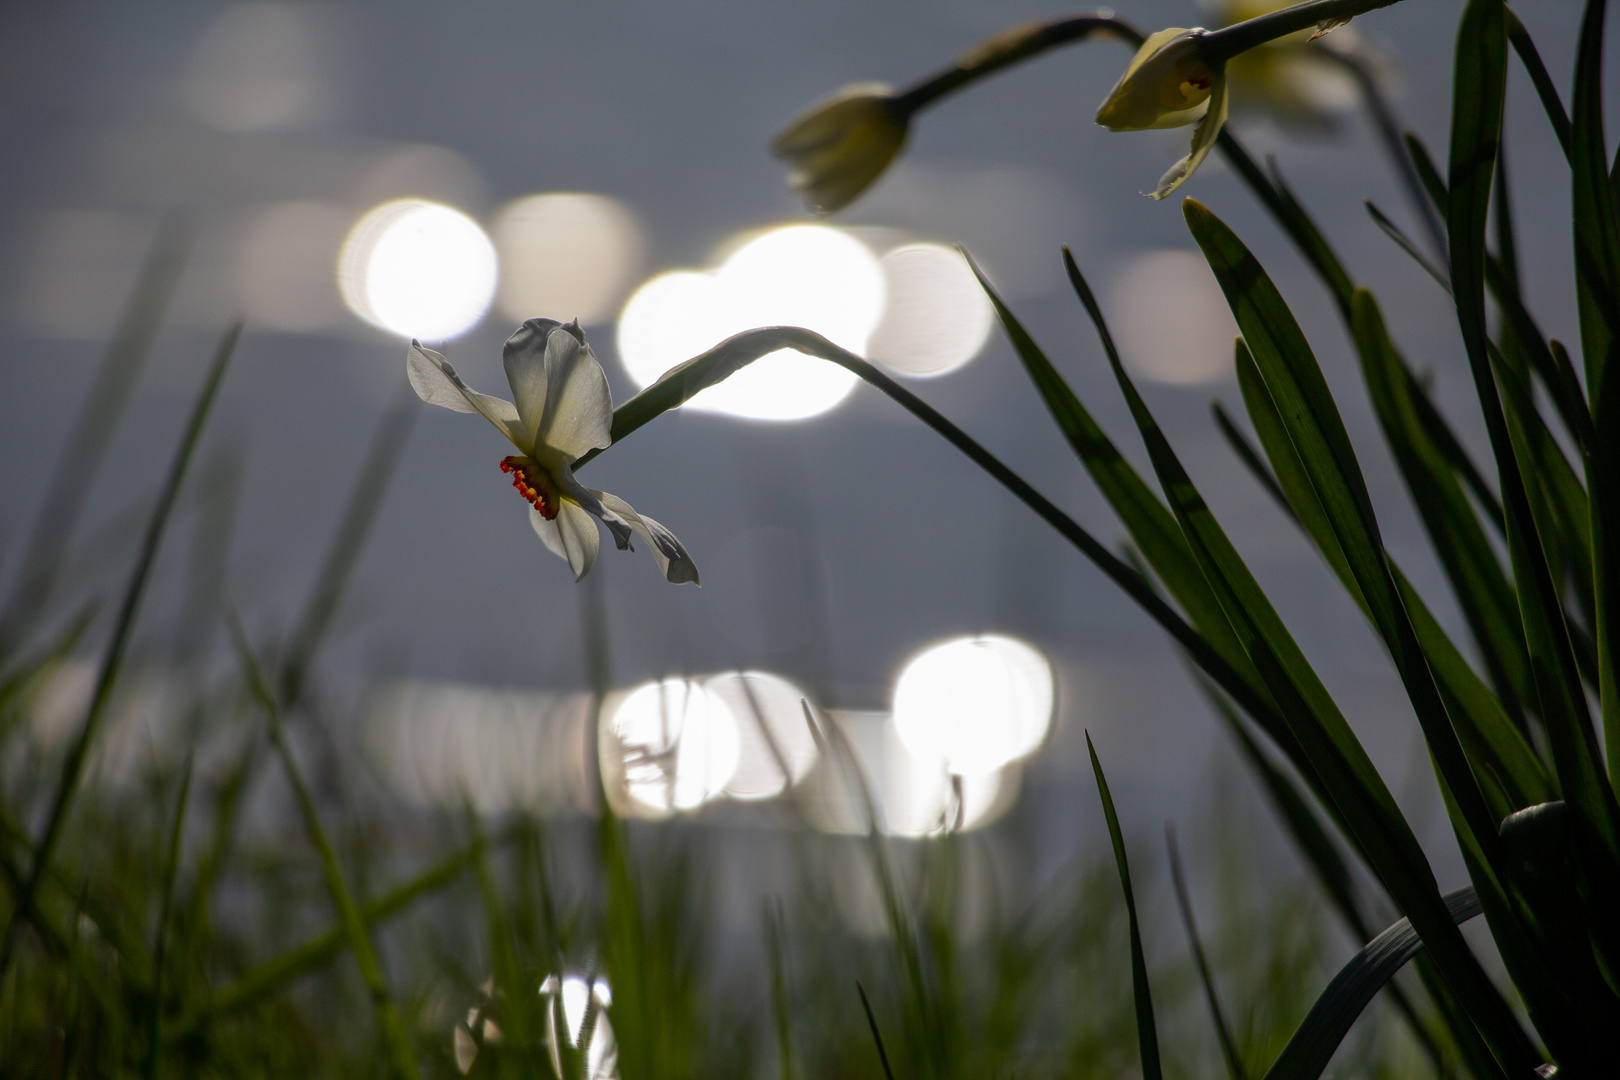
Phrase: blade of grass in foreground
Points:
(1347, 777)
(681, 382)
(372, 485)
(1147, 1035)
(68, 784)
(272, 975)
(1234, 1063)
(392, 1027)
(171, 869)
(1325, 1026)
(92, 432)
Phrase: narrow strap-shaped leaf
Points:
(1477, 115)
(1345, 775)
(1483, 591)
(1402, 241)
(1151, 525)
(680, 383)
(1333, 503)
(1234, 1062)
(1597, 222)
(1512, 776)
(273, 975)
(1433, 182)
(877, 1036)
(1249, 456)
(1147, 1033)
(160, 944)
(1597, 290)
(396, 1040)
(1546, 89)
(112, 663)
(1312, 1045)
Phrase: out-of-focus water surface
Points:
(607, 159)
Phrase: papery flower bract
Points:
(1291, 80)
(1170, 84)
(561, 410)
(840, 146)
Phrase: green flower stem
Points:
(685, 380)
(349, 916)
(1221, 45)
(1011, 47)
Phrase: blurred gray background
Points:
(832, 548)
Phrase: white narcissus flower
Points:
(562, 411)
(841, 145)
(1170, 84)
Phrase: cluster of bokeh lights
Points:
(426, 270)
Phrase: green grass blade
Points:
(1403, 242)
(273, 975)
(1597, 287)
(519, 1003)
(781, 1005)
(92, 432)
(1234, 1063)
(1433, 182)
(1147, 1035)
(395, 1038)
(1151, 525)
(123, 628)
(1250, 457)
(680, 383)
(387, 447)
(1345, 777)
(1478, 581)
(171, 870)
(1307, 1054)
(1317, 466)
(1546, 90)
(1596, 219)
(877, 1036)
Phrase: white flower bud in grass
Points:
(1170, 84)
(839, 147)
(561, 411)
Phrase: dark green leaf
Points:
(1325, 1026)
(1147, 1035)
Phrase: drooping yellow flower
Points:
(562, 410)
(840, 146)
(1170, 83)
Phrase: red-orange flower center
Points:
(532, 484)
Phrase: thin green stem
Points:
(354, 924)
(1221, 45)
(171, 869)
(72, 768)
(1011, 47)
(300, 960)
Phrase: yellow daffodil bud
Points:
(840, 146)
(1166, 85)
(1170, 84)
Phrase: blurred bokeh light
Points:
(669, 745)
(418, 269)
(799, 275)
(1170, 319)
(566, 255)
(775, 747)
(936, 317)
(974, 703)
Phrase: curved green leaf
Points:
(1325, 1026)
